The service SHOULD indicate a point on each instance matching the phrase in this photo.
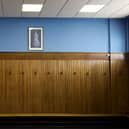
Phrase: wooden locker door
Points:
(98, 88)
(12, 86)
(120, 86)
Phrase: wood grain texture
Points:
(4, 115)
(55, 55)
(120, 86)
(120, 56)
(62, 84)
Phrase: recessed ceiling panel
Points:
(32, 14)
(93, 2)
(52, 8)
(12, 8)
(72, 8)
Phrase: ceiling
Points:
(65, 8)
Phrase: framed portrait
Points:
(35, 38)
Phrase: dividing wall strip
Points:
(109, 56)
(127, 36)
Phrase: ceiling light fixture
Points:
(91, 8)
(32, 7)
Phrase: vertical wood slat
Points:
(63, 86)
(120, 86)
(2, 93)
(10, 87)
(120, 82)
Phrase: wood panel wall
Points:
(64, 83)
(120, 82)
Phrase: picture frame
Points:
(35, 38)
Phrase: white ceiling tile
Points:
(65, 8)
(111, 8)
(87, 15)
(52, 7)
(1, 11)
(12, 8)
(33, 1)
(30, 14)
(72, 8)
(122, 12)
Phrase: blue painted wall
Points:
(127, 24)
(118, 35)
(79, 35)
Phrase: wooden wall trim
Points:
(60, 115)
(64, 55)
(119, 56)
(55, 55)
